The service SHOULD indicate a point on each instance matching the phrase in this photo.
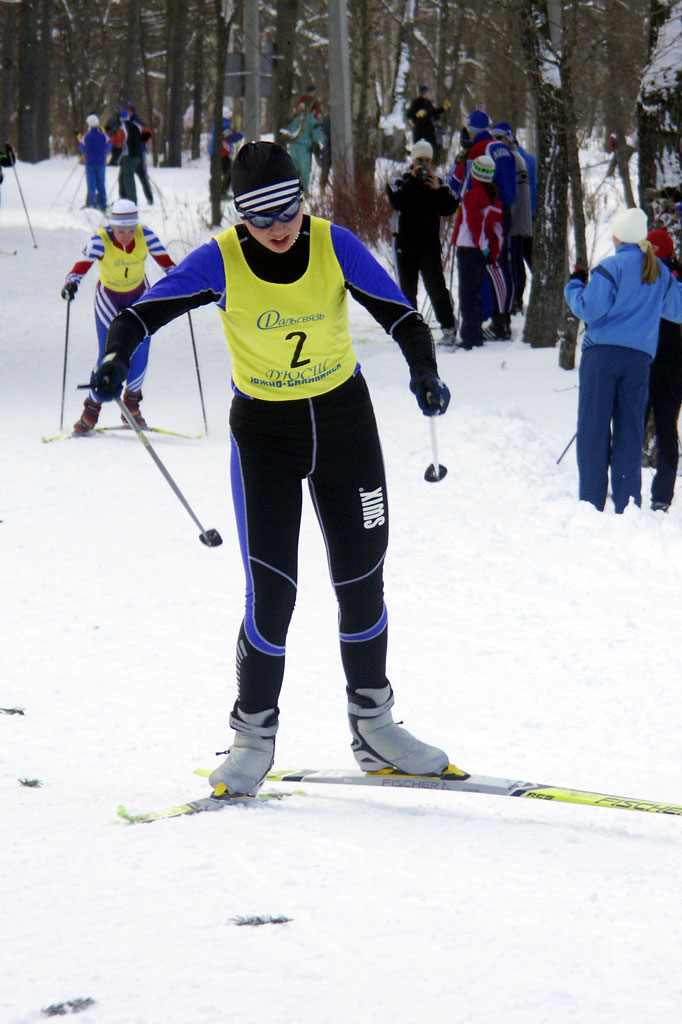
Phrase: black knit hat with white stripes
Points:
(264, 178)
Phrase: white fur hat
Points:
(92, 121)
(422, 149)
(630, 225)
(124, 214)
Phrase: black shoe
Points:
(660, 506)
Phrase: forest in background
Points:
(560, 70)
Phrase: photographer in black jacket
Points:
(419, 199)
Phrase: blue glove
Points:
(107, 379)
(433, 396)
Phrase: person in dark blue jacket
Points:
(94, 146)
(622, 306)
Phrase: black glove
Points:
(9, 153)
(433, 396)
(69, 290)
(579, 274)
(106, 381)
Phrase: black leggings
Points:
(331, 441)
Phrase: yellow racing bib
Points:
(287, 340)
(122, 271)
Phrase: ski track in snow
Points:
(530, 635)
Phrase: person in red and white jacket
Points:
(478, 238)
(120, 250)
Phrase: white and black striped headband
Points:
(270, 197)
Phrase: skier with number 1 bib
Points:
(121, 249)
(301, 411)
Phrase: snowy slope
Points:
(533, 637)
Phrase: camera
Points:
(421, 173)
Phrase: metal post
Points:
(339, 92)
(251, 71)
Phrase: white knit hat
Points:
(421, 149)
(483, 168)
(124, 214)
(630, 225)
(92, 121)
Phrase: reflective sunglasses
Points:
(266, 220)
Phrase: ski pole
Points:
(14, 167)
(196, 364)
(211, 538)
(78, 188)
(75, 166)
(435, 471)
(566, 448)
(66, 349)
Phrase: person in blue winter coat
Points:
(94, 145)
(622, 306)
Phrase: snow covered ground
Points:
(531, 636)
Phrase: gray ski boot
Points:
(250, 757)
(379, 742)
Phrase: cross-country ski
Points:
(454, 783)
(123, 427)
(217, 801)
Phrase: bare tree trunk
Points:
(223, 29)
(44, 84)
(28, 79)
(545, 306)
(197, 88)
(365, 113)
(283, 66)
(148, 90)
(10, 18)
(393, 124)
(623, 154)
(175, 81)
(568, 332)
(443, 38)
(659, 105)
(659, 114)
(132, 51)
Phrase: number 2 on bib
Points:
(297, 361)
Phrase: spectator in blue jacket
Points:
(506, 181)
(94, 145)
(622, 307)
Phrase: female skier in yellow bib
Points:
(301, 411)
(121, 249)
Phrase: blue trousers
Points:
(614, 387)
(97, 191)
(471, 276)
(109, 304)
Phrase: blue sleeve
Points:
(672, 300)
(505, 172)
(532, 177)
(201, 272)
(591, 301)
(361, 271)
